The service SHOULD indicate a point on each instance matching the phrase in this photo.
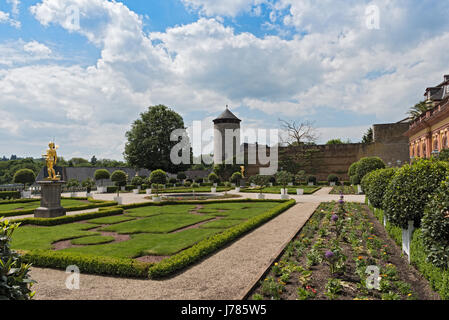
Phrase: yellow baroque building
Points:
(429, 133)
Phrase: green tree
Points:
(335, 141)
(213, 177)
(93, 161)
(181, 176)
(284, 178)
(157, 178)
(25, 177)
(225, 171)
(236, 177)
(368, 137)
(418, 109)
(149, 144)
(119, 177)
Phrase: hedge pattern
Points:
(210, 245)
(69, 219)
(10, 194)
(435, 227)
(375, 183)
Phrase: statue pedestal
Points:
(50, 200)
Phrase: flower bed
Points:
(331, 256)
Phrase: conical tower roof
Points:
(226, 116)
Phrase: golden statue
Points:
(51, 158)
(243, 171)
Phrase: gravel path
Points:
(229, 274)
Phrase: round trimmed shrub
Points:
(333, 178)
(119, 178)
(24, 176)
(137, 181)
(283, 178)
(409, 190)
(181, 176)
(375, 183)
(213, 177)
(172, 180)
(435, 227)
(312, 179)
(102, 174)
(236, 177)
(367, 165)
(158, 177)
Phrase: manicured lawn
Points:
(152, 229)
(163, 223)
(35, 204)
(33, 237)
(277, 190)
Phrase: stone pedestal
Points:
(50, 200)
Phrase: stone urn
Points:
(214, 190)
(119, 200)
(237, 189)
(300, 192)
(148, 191)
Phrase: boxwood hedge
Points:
(207, 246)
(409, 190)
(9, 194)
(435, 227)
(375, 183)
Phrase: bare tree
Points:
(298, 133)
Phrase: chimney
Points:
(446, 77)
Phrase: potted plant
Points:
(119, 178)
(137, 181)
(311, 180)
(333, 180)
(283, 179)
(25, 177)
(236, 178)
(213, 177)
(262, 182)
(101, 175)
(88, 184)
(157, 178)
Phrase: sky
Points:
(81, 71)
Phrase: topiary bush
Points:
(367, 165)
(25, 177)
(15, 282)
(236, 177)
(333, 178)
(435, 227)
(409, 190)
(101, 174)
(213, 177)
(375, 183)
(137, 181)
(283, 178)
(312, 179)
(119, 178)
(157, 178)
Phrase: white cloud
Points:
(37, 48)
(224, 8)
(6, 18)
(15, 6)
(333, 62)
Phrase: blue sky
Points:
(266, 59)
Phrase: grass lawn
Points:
(277, 189)
(35, 204)
(151, 229)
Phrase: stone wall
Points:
(390, 144)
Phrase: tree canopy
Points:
(149, 144)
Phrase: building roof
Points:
(227, 115)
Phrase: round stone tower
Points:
(227, 121)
